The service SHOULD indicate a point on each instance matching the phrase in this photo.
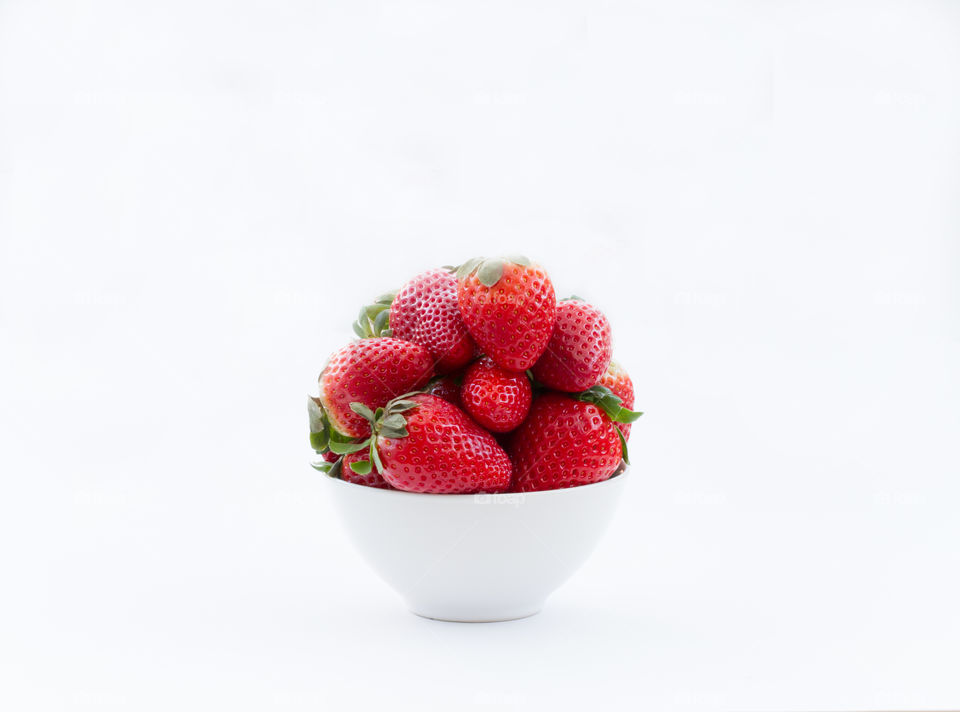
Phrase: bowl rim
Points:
(619, 475)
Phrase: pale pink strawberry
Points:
(425, 312)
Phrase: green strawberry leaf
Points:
(468, 267)
(609, 402)
(374, 319)
(322, 466)
(381, 321)
(394, 421)
(337, 436)
(362, 410)
(490, 272)
(316, 415)
(400, 406)
(521, 260)
(335, 470)
(623, 447)
(346, 448)
(393, 433)
(319, 428)
(361, 467)
(625, 415)
(373, 310)
(403, 396)
(319, 441)
(375, 457)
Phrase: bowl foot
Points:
(466, 615)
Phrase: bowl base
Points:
(494, 616)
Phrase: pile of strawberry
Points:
(474, 379)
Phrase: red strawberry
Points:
(617, 380)
(371, 479)
(370, 371)
(496, 398)
(509, 306)
(579, 349)
(422, 443)
(425, 312)
(568, 441)
(446, 387)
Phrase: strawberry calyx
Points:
(385, 422)
(319, 425)
(324, 438)
(374, 319)
(489, 270)
(320, 432)
(611, 404)
(329, 468)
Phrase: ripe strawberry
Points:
(579, 349)
(369, 371)
(617, 380)
(422, 443)
(425, 312)
(508, 306)
(496, 398)
(371, 479)
(568, 441)
(446, 387)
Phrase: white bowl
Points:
(476, 558)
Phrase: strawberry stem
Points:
(609, 402)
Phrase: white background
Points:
(196, 197)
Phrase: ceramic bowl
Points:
(475, 558)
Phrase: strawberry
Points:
(371, 372)
(371, 479)
(422, 443)
(446, 387)
(342, 466)
(579, 349)
(496, 398)
(617, 380)
(508, 306)
(425, 312)
(568, 441)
